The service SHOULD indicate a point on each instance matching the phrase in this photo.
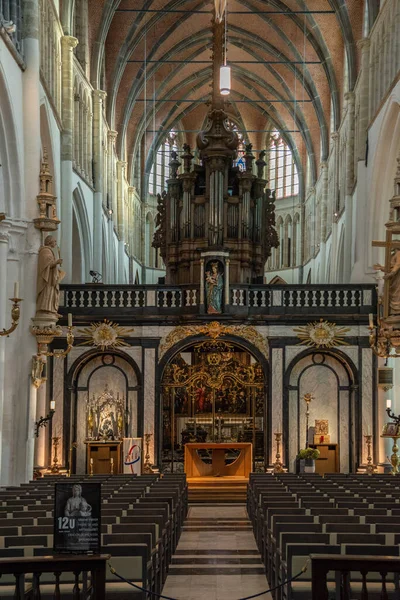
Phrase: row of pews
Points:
(339, 516)
(141, 521)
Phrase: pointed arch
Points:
(11, 178)
(82, 236)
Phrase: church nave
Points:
(217, 557)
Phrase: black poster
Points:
(77, 523)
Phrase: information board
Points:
(77, 518)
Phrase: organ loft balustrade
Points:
(284, 302)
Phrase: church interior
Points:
(200, 299)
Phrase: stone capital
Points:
(99, 95)
(68, 41)
(364, 44)
(112, 135)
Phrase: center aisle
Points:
(217, 557)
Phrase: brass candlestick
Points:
(55, 467)
(278, 466)
(112, 466)
(394, 459)
(91, 468)
(370, 468)
(147, 466)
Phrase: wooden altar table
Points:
(240, 467)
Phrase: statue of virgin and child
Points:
(214, 288)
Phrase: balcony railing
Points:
(27, 573)
(371, 576)
(244, 300)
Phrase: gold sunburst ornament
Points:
(322, 334)
(106, 335)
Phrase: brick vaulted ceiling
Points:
(290, 66)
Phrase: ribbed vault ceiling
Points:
(288, 70)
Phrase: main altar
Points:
(219, 464)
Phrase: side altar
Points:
(240, 466)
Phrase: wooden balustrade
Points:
(322, 564)
(57, 565)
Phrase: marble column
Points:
(98, 165)
(227, 263)
(202, 281)
(366, 399)
(68, 43)
(149, 397)
(277, 387)
(41, 441)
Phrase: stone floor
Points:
(217, 557)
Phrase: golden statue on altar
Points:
(106, 416)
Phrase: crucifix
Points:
(390, 266)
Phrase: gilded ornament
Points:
(321, 334)
(105, 335)
(214, 330)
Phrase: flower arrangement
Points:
(308, 454)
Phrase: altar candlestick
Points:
(388, 403)
(69, 319)
(16, 289)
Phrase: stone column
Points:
(98, 165)
(363, 93)
(5, 306)
(324, 215)
(68, 43)
(121, 223)
(348, 232)
(112, 196)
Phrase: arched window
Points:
(160, 170)
(283, 177)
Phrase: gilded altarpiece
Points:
(214, 391)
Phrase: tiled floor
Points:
(217, 557)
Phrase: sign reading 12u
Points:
(77, 523)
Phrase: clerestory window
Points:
(283, 177)
(160, 170)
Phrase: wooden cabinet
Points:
(102, 453)
(328, 461)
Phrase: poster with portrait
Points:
(77, 518)
(132, 450)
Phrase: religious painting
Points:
(391, 429)
(214, 286)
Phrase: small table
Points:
(241, 467)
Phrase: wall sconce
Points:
(15, 311)
(70, 342)
(44, 420)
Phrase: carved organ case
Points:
(214, 206)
